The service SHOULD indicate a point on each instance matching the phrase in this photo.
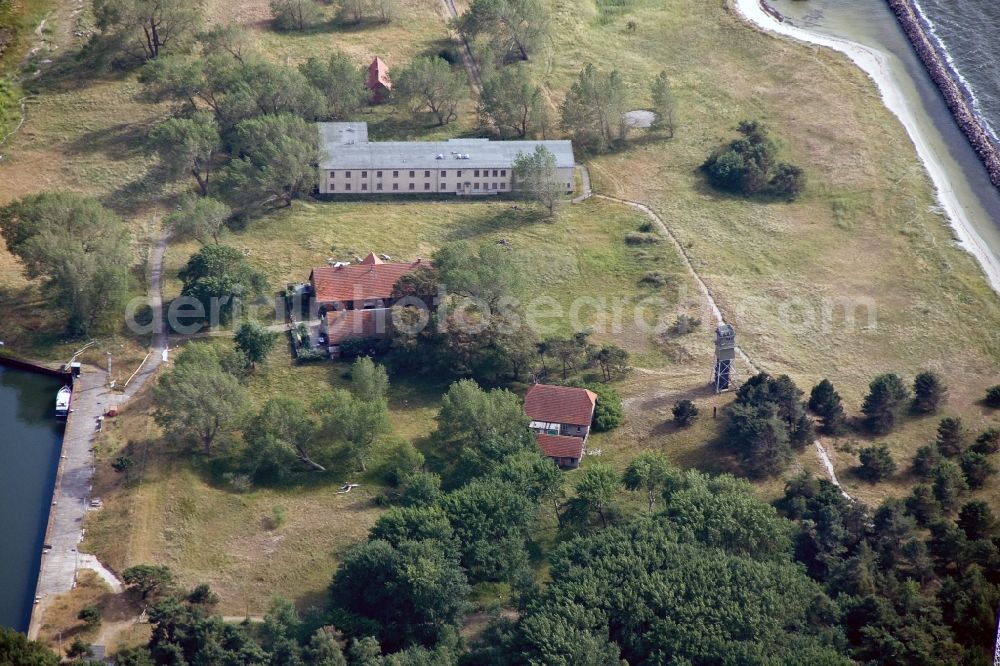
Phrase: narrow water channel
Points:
(30, 440)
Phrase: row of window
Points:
(427, 174)
(427, 186)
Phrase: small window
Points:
(475, 186)
(378, 174)
(494, 173)
(444, 186)
(503, 186)
(364, 186)
(427, 174)
(412, 173)
(503, 172)
(459, 173)
(395, 186)
(378, 186)
(395, 174)
(364, 174)
(347, 174)
(477, 173)
(412, 186)
(444, 173)
(347, 187)
(332, 187)
(332, 174)
(427, 186)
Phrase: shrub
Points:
(294, 14)
(685, 412)
(309, 355)
(748, 165)
(399, 462)
(91, 616)
(641, 238)
(609, 412)
(993, 396)
(876, 463)
(654, 279)
(647, 227)
(926, 460)
(122, 463)
(825, 402)
(884, 403)
(279, 515)
(928, 393)
(950, 436)
(988, 442)
(977, 469)
(684, 324)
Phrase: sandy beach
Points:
(874, 63)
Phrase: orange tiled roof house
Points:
(560, 418)
(354, 300)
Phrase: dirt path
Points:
(821, 452)
(471, 66)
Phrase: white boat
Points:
(64, 398)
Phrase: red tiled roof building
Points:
(560, 418)
(378, 80)
(564, 451)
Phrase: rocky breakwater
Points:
(958, 99)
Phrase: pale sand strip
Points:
(874, 63)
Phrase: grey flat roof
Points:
(482, 153)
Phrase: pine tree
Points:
(884, 403)
(950, 436)
(928, 392)
(825, 402)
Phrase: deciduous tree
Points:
(218, 276)
(189, 146)
(295, 14)
(513, 28)
(278, 157)
(648, 471)
(428, 82)
(664, 105)
(594, 109)
(511, 105)
(255, 342)
(144, 29)
(537, 178)
(203, 218)
(340, 81)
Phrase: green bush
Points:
(685, 412)
(988, 442)
(749, 166)
(993, 396)
(876, 463)
(91, 617)
(641, 238)
(609, 412)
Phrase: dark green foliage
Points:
(139, 30)
(149, 580)
(16, 649)
(490, 518)
(421, 489)
(825, 402)
(411, 592)
(976, 520)
(883, 406)
(612, 359)
(282, 439)
(295, 14)
(950, 436)
(749, 166)
(420, 523)
(595, 494)
(188, 146)
(876, 463)
(608, 413)
(977, 469)
(537, 178)
(79, 649)
(218, 277)
(926, 460)
(993, 396)
(122, 463)
(202, 218)
(185, 633)
(928, 392)
(685, 412)
(79, 247)
(922, 505)
(988, 442)
(202, 594)
(400, 462)
(255, 342)
(664, 105)
(949, 484)
(610, 592)
(766, 421)
(91, 616)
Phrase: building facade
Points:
(353, 165)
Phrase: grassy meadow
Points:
(864, 230)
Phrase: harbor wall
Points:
(32, 366)
(957, 98)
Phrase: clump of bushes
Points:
(749, 166)
(641, 238)
(609, 412)
(654, 279)
(993, 396)
(876, 463)
(685, 324)
(685, 412)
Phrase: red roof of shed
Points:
(560, 404)
(344, 325)
(368, 280)
(560, 446)
(378, 74)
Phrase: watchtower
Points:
(724, 374)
